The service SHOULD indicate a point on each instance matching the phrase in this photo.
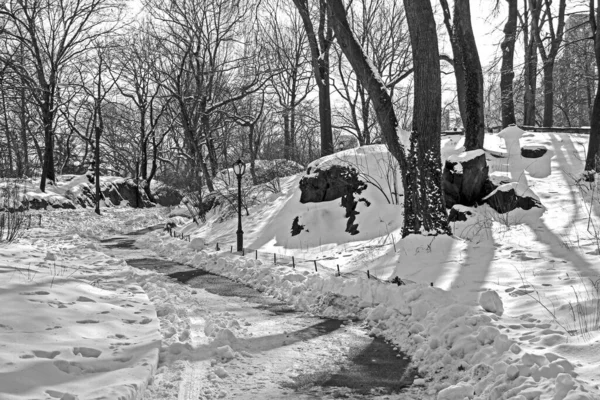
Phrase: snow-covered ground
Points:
(537, 337)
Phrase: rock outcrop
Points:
(465, 178)
(335, 182)
(508, 197)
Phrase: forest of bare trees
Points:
(178, 90)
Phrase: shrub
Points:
(13, 210)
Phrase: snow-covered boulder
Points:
(507, 197)
(460, 391)
(490, 301)
(464, 178)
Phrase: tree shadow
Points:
(558, 249)
(474, 269)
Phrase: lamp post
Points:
(239, 168)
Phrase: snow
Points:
(75, 323)
(465, 156)
(490, 301)
(460, 343)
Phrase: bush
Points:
(13, 210)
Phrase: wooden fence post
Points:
(274, 258)
(315, 261)
(368, 275)
(256, 254)
(338, 266)
(293, 263)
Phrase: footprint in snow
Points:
(38, 293)
(87, 352)
(60, 395)
(85, 299)
(45, 354)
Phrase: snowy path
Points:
(276, 353)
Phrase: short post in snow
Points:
(256, 254)
(368, 275)
(217, 248)
(274, 258)
(315, 261)
(338, 266)
(293, 263)
(239, 168)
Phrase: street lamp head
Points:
(239, 168)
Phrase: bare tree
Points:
(592, 162)
(139, 83)
(320, 43)
(54, 33)
(424, 210)
(285, 42)
(548, 52)
(208, 60)
(468, 71)
(380, 28)
(507, 70)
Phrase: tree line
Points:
(183, 88)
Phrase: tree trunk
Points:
(591, 161)
(325, 115)
(530, 72)
(251, 148)
(424, 210)
(507, 71)
(144, 146)
(592, 164)
(320, 65)
(474, 104)
(459, 75)
(97, 172)
(548, 94)
(152, 169)
(382, 102)
(286, 135)
(48, 172)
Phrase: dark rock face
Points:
(42, 204)
(330, 184)
(129, 192)
(504, 201)
(167, 196)
(296, 227)
(533, 151)
(465, 187)
(458, 215)
(333, 183)
(113, 194)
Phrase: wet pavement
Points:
(370, 366)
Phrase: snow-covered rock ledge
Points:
(75, 323)
(459, 350)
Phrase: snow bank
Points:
(75, 322)
(460, 350)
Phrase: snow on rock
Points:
(511, 132)
(490, 301)
(197, 244)
(461, 391)
(465, 156)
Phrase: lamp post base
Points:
(240, 240)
